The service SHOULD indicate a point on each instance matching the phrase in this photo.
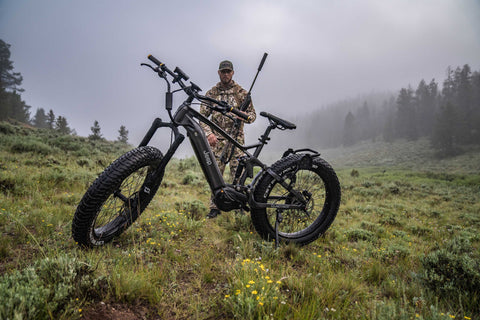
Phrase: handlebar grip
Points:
(154, 60)
(239, 113)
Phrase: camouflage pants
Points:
(233, 164)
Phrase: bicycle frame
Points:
(184, 117)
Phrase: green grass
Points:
(405, 243)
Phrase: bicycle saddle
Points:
(280, 123)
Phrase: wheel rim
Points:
(119, 210)
(295, 222)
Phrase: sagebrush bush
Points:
(7, 128)
(354, 173)
(393, 253)
(27, 144)
(390, 220)
(188, 163)
(190, 178)
(453, 271)
(67, 143)
(194, 209)
(48, 288)
(84, 162)
(359, 234)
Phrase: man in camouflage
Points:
(232, 93)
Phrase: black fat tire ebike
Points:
(294, 200)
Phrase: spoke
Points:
(312, 189)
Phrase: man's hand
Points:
(212, 140)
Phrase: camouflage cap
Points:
(225, 65)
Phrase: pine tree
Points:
(11, 104)
(476, 107)
(40, 119)
(349, 130)
(8, 80)
(443, 136)
(406, 117)
(364, 129)
(448, 89)
(463, 101)
(426, 98)
(388, 129)
(61, 125)
(50, 120)
(96, 134)
(123, 134)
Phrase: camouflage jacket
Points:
(234, 95)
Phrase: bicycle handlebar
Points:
(178, 75)
(154, 60)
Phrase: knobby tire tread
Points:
(104, 186)
(318, 227)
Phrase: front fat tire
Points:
(117, 197)
(324, 208)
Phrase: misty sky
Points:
(82, 58)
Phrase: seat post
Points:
(263, 139)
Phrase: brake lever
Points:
(157, 70)
(147, 65)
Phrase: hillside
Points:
(414, 155)
(405, 243)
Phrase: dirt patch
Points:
(116, 311)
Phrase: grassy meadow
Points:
(405, 243)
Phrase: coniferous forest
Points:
(447, 114)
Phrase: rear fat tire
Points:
(297, 226)
(117, 197)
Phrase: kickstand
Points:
(277, 223)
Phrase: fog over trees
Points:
(447, 114)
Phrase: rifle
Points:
(227, 156)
